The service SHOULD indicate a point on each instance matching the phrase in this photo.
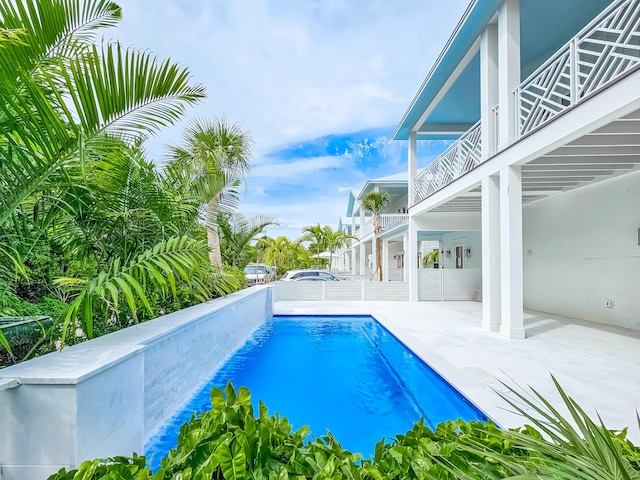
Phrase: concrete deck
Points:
(598, 365)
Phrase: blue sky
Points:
(320, 84)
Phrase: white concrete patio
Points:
(598, 365)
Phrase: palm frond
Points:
(55, 28)
(160, 266)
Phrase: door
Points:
(459, 255)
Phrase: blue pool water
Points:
(348, 375)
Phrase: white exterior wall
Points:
(581, 248)
(106, 397)
(471, 240)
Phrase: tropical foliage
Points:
(85, 217)
(237, 233)
(324, 239)
(215, 148)
(284, 254)
(375, 202)
(231, 442)
(432, 257)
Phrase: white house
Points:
(543, 100)
(358, 259)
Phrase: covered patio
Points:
(598, 365)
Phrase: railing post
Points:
(516, 116)
(573, 73)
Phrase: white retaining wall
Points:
(107, 396)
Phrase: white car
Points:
(294, 275)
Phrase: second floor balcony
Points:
(603, 52)
(387, 221)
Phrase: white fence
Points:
(433, 285)
(345, 291)
(449, 284)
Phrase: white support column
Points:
(413, 167)
(488, 88)
(354, 262)
(411, 260)
(353, 248)
(363, 259)
(405, 247)
(385, 260)
(508, 68)
(491, 254)
(511, 252)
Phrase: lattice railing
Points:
(458, 159)
(603, 51)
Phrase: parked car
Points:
(259, 273)
(292, 275)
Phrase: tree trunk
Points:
(212, 233)
(376, 231)
(378, 258)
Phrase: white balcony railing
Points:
(391, 220)
(602, 52)
(458, 159)
(387, 220)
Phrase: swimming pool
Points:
(346, 374)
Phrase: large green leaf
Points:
(153, 267)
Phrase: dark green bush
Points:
(230, 442)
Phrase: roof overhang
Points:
(449, 97)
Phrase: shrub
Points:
(230, 442)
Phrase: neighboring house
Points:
(358, 259)
(543, 100)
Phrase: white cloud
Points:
(292, 71)
(297, 168)
(297, 70)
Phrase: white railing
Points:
(603, 51)
(388, 220)
(458, 159)
(364, 230)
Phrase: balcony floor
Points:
(598, 365)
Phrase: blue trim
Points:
(478, 14)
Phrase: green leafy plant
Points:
(231, 442)
(159, 266)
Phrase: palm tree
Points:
(317, 235)
(374, 202)
(284, 254)
(335, 240)
(65, 102)
(236, 234)
(215, 147)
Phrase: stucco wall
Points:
(581, 249)
(105, 397)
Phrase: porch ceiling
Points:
(607, 152)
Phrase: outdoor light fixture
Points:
(448, 253)
(467, 252)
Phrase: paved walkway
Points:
(598, 365)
